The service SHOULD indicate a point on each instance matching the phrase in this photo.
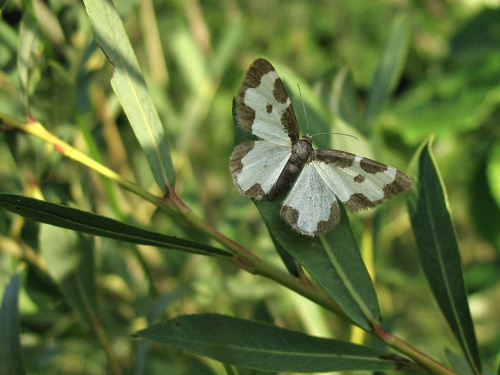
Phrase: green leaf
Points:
(130, 88)
(337, 91)
(333, 260)
(438, 250)
(481, 200)
(456, 102)
(69, 257)
(155, 312)
(10, 342)
(28, 40)
(55, 86)
(493, 173)
(389, 70)
(458, 363)
(87, 222)
(263, 346)
(286, 258)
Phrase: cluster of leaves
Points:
(65, 272)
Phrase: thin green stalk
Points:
(401, 346)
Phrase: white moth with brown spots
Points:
(268, 165)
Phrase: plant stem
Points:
(243, 258)
(422, 359)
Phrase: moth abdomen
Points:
(301, 153)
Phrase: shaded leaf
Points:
(458, 363)
(263, 346)
(438, 250)
(493, 173)
(28, 39)
(55, 86)
(286, 258)
(335, 264)
(130, 88)
(155, 312)
(389, 70)
(337, 91)
(69, 257)
(10, 342)
(87, 222)
(480, 201)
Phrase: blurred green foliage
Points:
(193, 55)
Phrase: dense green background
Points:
(193, 55)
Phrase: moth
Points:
(269, 165)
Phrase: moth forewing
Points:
(359, 182)
(263, 106)
(255, 166)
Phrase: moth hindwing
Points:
(269, 164)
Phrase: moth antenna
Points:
(307, 120)
(347, 135)
(304, 108)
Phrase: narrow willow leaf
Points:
(28, 38)
(337, 267)
(156, 310)
(459, 363)
(263, 346)
(286, 258)
(87, 222)
(10, 342)
(493, 173)
(55, 86)
(69, 257)
(130, 88)
(389, 70)
(338, 93)
(438, 250)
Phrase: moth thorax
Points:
(302, 149)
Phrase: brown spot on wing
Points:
(400, 184)
(253, 77)
(359, 178)
(279, 91)
(255, 72)
(340, 159)
(359, 201)
(255, 192)
(289, 121)
(333, 220)
(291, 216)
(236, 166)
(372, 166)
(245, 115)
(269, 108)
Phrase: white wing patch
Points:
(343, 181)
(311, 206)
(268, 111)
(257, 165)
